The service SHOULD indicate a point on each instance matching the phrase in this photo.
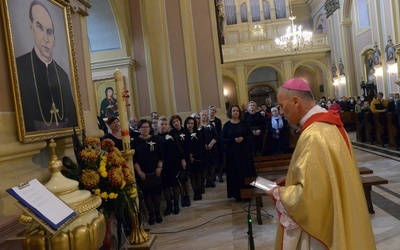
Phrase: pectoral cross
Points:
(54, 111)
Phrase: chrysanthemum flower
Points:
(104, 195)
(107, 145)
(115, 176)
(92, 142)
(102, 171)
(113, 195)
(89, 155)
(90, 179)
(103, 162)
(115, 150)
(128, 174)
(113, 158)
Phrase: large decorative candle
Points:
(138, 234)
(122, 109)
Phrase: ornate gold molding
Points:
(80, 6)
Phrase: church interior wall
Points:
(387, 22)
(139, 83)
(205, 54)
(178, 67)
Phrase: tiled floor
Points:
(220, 223)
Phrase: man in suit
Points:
(46, 96)
(133, 129)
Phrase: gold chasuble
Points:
(323, 193)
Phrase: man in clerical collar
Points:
(46, 95)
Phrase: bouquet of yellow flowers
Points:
(101, 169)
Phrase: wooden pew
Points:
(393, 130)
(272, 157)
(369, 127)
(349, 119)
(381, 128)
(368, 182)
(359, 131)
(284, 169)
(263, 164)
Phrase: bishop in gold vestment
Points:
(322, 204)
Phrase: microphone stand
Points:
(249, 224)
(249, 220)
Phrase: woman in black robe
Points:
(237, 136)
(174, 163)
(148, 163)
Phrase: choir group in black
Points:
(179, 154)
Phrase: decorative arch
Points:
(229, 74)
(346, 9)
(264, 88)
(310, 65)
(320, 64)
(368, 81)
(229, 88)
(266, 65)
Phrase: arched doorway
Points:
(262, 83)
(260, 92)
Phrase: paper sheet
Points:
(43, 203)
(263, 183)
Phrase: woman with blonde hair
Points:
(257, 123)
(210, 140)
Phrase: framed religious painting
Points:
(43, 68)
(106, 99)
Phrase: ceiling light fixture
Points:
(295, 39)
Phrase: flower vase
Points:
(138, 234)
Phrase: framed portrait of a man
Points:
(43, 68)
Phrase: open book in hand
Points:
(263, 184)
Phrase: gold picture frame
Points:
(43, 68)
(105, 109)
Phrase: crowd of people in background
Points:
(360, 105)
(174, 155)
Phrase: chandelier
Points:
(295, 39)
(330, 7)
